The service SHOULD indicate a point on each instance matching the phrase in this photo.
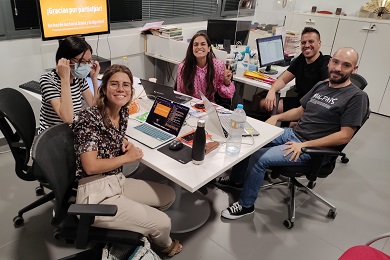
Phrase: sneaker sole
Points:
(229, 216)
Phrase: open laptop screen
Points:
(167, 115)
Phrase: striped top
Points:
(51, 88)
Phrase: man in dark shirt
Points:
(329, 115)
(308, 68)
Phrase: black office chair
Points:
(224, 102)
(361, 83)
(323, 161)
(54, 152)
(17, 123)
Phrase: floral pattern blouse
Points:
(200, 81)
(92, 135)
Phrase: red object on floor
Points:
(364, 253)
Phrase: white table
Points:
(191, 209)
(240, 81)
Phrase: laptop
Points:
(219, 123)
(154, 90)
(163, 123)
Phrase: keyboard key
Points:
(153, 132)
(32, 86)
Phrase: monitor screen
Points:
(221, 30)
(62, 18)
(270, 50)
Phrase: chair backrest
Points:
(359, 81)
(16, 113)
(54, 153)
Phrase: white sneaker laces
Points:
(236, 207)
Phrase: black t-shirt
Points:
(307, 75)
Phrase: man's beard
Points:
(340, 80)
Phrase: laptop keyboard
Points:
(32, 86)
(153, 132)
(225, 122)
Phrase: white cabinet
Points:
(371, 40)
(326, 25)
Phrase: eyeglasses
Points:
(84, 62)
(115, 85)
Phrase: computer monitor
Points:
(62, 18)
(220, 31)
(270, 50)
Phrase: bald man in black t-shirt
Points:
(308, 68)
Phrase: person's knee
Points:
(168, 198)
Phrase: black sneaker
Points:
(225, 182)
(236, 211)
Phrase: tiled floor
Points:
(360, 190)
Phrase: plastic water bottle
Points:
(237, 125)
(199, 143)
(125, 61)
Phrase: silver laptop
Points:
(153, 90)
(163, 123)
(219, 123)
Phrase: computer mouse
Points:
(199, 106)
(176, 145)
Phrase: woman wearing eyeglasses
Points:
(102, 149)
(64, 87)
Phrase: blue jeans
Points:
(271, 155)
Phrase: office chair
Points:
(363, 252)
(322, 164)
(54, 152)
(17, 123)
(224, 102)
(361, 83)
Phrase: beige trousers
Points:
(139, 205)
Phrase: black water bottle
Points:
(199, 143)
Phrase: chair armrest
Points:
(385, 235)
(92, 210)
(320, 151)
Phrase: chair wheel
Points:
(39, 191)
(288, 224)
(18, 221)
(331, 214)
(344, 159)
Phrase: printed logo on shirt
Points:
(323, 100)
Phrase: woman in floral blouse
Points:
(200, 71)
(102, 149)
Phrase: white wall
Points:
(271, 12)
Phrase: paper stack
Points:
(171, 32)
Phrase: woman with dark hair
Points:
(101, 150)
(64, 87)
(200, 71)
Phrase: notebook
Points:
(219, 123)
(163, 123)
(154, 90)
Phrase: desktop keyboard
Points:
(153, 132)
(32, 86)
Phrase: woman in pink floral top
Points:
(194, 75)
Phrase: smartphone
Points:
(188, 137)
